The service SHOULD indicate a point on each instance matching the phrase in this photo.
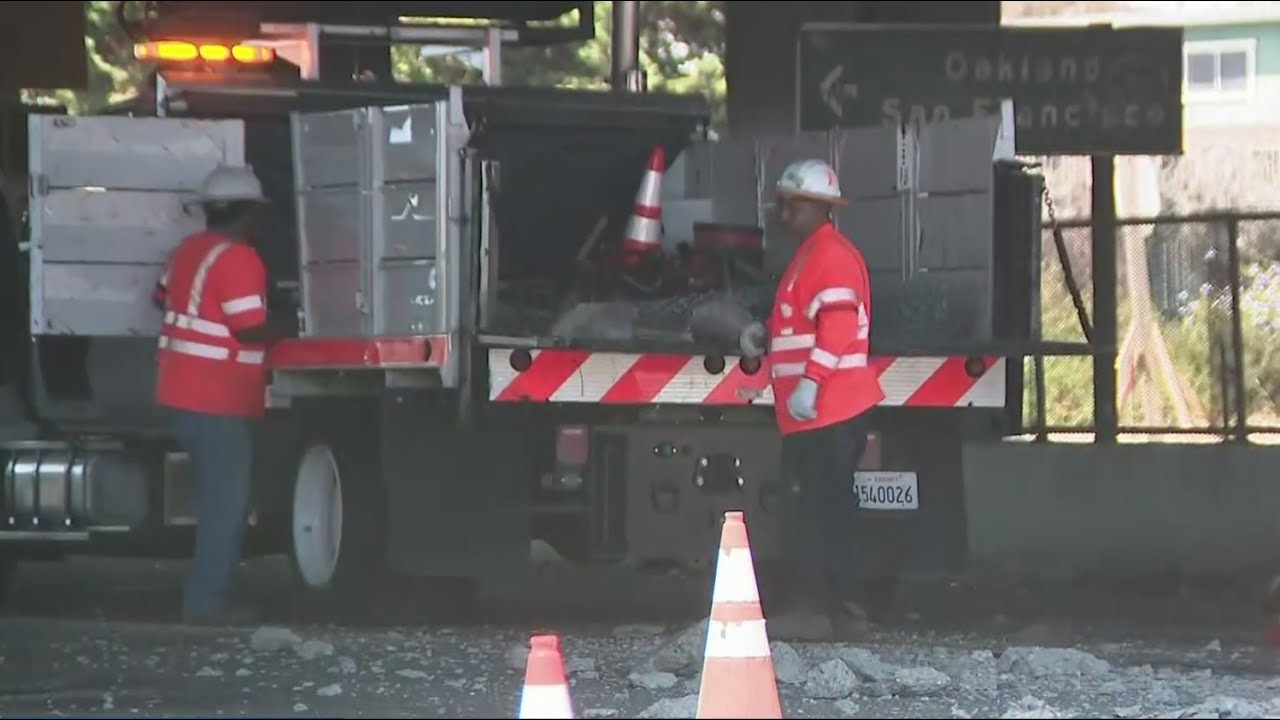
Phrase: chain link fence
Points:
(1188, 346)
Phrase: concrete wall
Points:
(1053, 510)
(1260, 105)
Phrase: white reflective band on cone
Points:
(643, 230)
(546, 701)
(737, 640)
(735, 578)
(650, 194)
(250, 357)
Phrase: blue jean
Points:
(220, 456)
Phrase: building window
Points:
(1219, 68)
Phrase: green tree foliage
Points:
(681, 44)
(682, 47)
(113, 72)
(1193, 334)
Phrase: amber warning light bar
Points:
(183, 51)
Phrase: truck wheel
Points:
(336, 537)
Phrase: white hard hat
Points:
(812, 180)
(230, 184)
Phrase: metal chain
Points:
(1048, 201)
(1064, 260)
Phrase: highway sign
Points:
(1093, 90)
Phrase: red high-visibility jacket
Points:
(820, 329)
(212, 286)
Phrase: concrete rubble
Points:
(681, 707)
(273, 639)
(788, 666)
(1031, 707)
(919, 682)
(832, 680)
(1050, 662)
(866, 665)
(615, 671)
(653, 680)
(682, 655)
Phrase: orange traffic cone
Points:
(644, 230)
(1271, 635)
(738, 680)
(1271, 606)
(546, 689)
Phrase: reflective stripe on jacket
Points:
(821, 328)
(214, 287)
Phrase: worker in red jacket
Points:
(212, 378)
(817, 340)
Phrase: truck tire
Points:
(337, 538)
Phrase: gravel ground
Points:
(96, 652)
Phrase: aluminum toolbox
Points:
(372, 218)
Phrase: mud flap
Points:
(932, 538)
(456, 496)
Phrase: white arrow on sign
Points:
(834, 93)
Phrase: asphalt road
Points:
(95, 638)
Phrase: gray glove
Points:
(752, 340)
(803, 403)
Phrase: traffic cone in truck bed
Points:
(546, 689)
(644, 230)
(738, 680)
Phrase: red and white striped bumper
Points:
(580, 376)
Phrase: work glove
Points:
(803, 403)
(752, 340)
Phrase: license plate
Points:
(886, 490)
